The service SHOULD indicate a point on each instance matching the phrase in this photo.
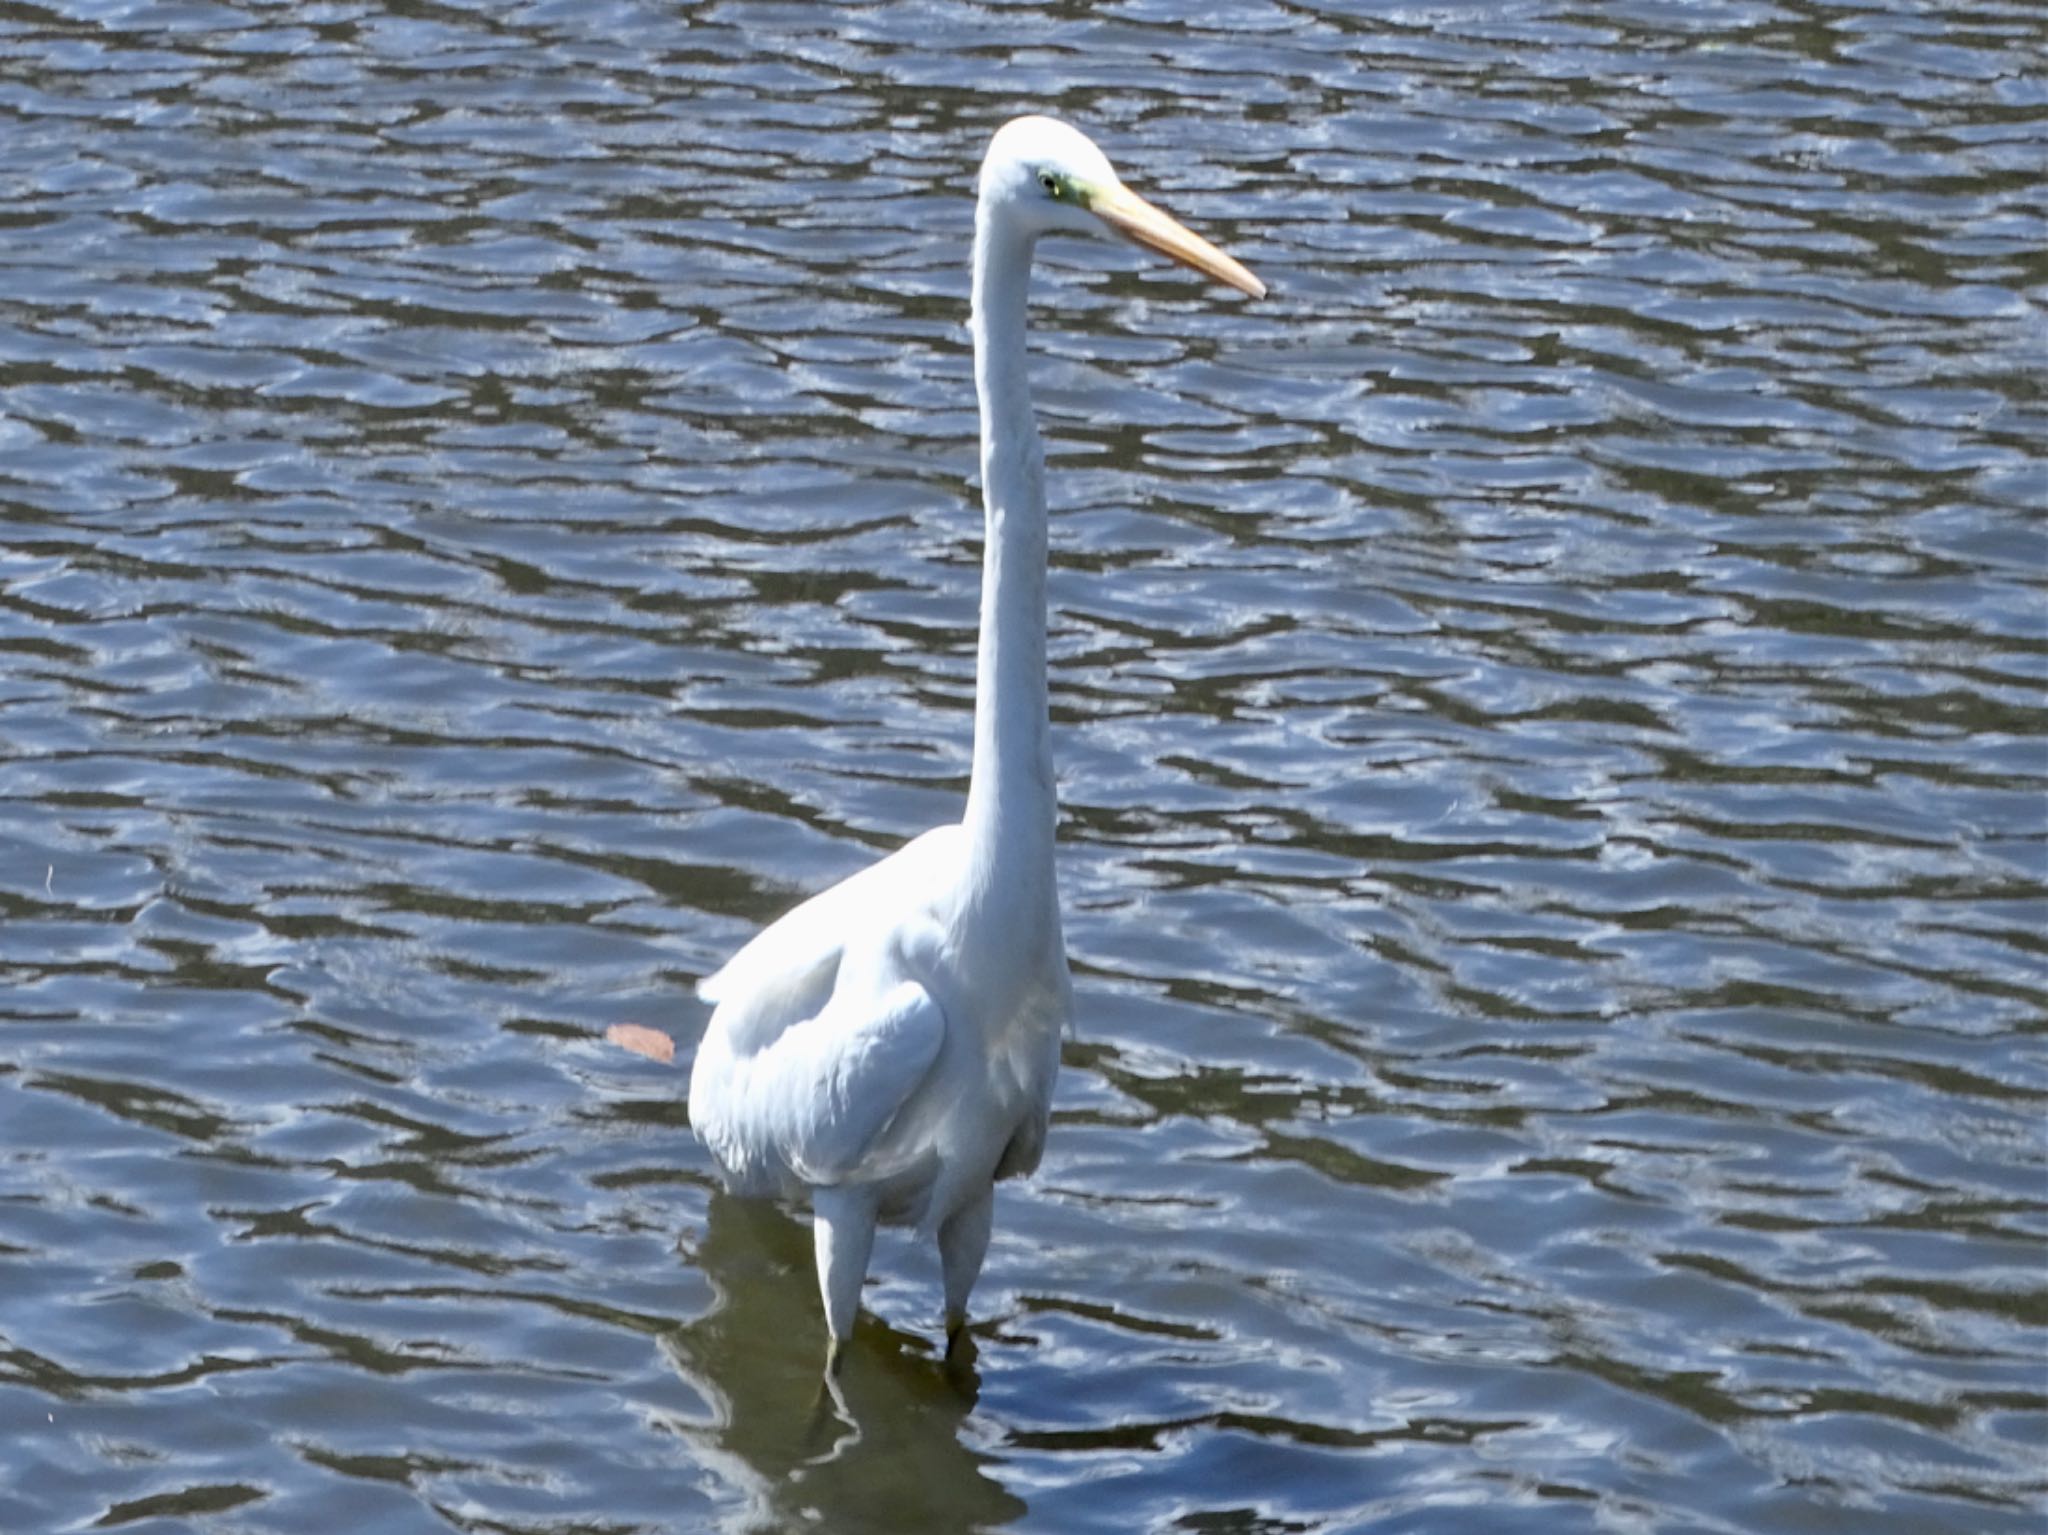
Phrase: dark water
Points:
(1550, 707)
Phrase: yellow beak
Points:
(1129, 214)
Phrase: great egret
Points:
(889, 1045)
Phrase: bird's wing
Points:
(849, 1071)
(814, 1101)
(785, 972)
(819, 1037)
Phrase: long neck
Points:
(1010, 803)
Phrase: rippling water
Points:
(1550, 708)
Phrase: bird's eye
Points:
(1050, 182)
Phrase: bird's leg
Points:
(843, 1227)
(963, 1243)
(827, 1403)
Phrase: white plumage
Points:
(889, 1046)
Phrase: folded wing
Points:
(813, 1103)
(811, 1053)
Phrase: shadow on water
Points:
(885, 1452)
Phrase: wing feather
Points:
(810, 1105)
(819, 1037)
(854, 1076)
(785, 972)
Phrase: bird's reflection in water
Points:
(882, 1452)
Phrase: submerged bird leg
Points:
(821, 1441)
(963, 1243)
(843, 1229)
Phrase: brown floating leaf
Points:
(652, 1043)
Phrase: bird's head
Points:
(1051, 179)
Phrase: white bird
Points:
(889, 1046)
